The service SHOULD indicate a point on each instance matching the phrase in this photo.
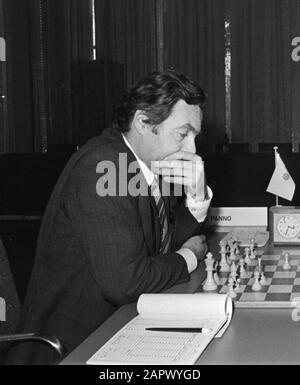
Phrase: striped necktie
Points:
(165, 234)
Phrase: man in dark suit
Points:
(110, 232)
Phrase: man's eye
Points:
(182, 136)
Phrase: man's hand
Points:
(197, 245)
(183, 168)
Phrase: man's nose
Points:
(189, 145)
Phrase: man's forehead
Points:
(187, 114)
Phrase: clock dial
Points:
(288, 226)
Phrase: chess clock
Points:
(284, 225)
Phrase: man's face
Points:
(177, 132)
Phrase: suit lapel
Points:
(146, 204)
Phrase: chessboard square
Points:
(269, 268)
(248, 289)
(278, 297)
(292, 262)
(296, 288)
(224, 289)
(298, 272)
(269, 274)
(280, 289)
(272, 263)
(298, 267)
(271, 257)
(282, 281)
(284, 274)
(296, 298)
(241, 289)
(293, 268)
(253, 296)
(222, 280)
(297, 281)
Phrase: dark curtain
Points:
(194, 44)
(17, 129)
(265, 80)
(49, 48)
(3, 85)
(135, 37)
(126, 38)
(61, 46)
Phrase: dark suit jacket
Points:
(95, 253)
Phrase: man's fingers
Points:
(185, 155)
(157, 165)
(177, 180)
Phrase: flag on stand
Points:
(281, 183)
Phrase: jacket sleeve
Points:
(185, 224)
(110, 233)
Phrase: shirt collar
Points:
(148, 174)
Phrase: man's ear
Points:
(139, 122)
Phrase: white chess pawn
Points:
(286, 265)
(231, 291)
(256, 285)
(243, 273)
(237, 284)
(209, 284)
(263, 280)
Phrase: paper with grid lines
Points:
(135, 345)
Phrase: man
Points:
(102, 245)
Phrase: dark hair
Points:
(156, 94)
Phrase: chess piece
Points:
(247, 258)
(258, 266)
(238, 284)
(243, 273)
(286, 265)
(224, 267)
(210, 283)
(232, 256)
(252, 249)
(256, 285)
(231, 291)
(263, 280)
(233, 269)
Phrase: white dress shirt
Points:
(197, 209)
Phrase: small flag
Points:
(281, 183)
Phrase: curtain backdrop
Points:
(126, 45)
(265, 80)
(61, 47)
(132, 35)
(194, 44)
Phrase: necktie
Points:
(165, 234)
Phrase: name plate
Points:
(237, 216)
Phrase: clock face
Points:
(288, 226)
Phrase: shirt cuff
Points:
(199, 209)
(190, 258)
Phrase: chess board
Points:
(282, 289)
